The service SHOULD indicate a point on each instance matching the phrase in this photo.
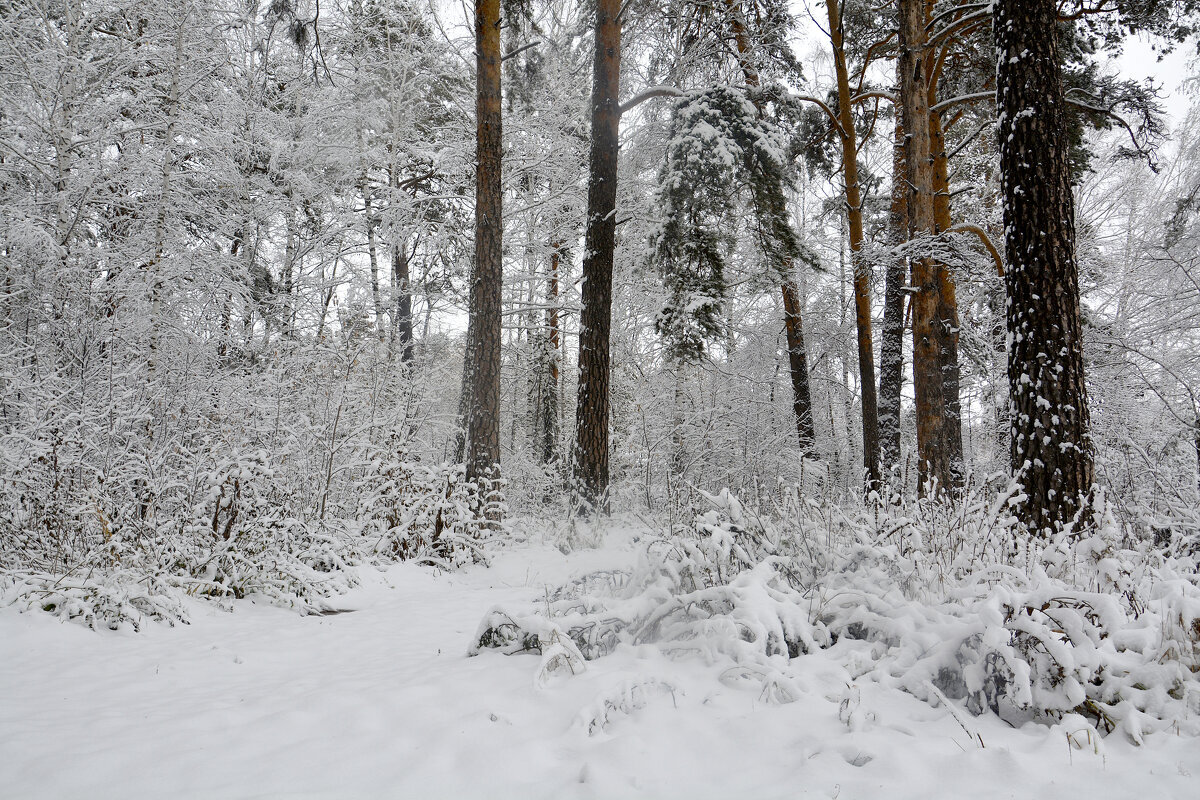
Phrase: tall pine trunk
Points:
(590, 455)
(862, 281)
(933, 464)
(1050, 449)
(798, 365)
(482, 368)
(402, 322)
(947, 311)
(891, 351)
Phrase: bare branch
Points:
(828, 111)
(657, 91)
(519, 50)
(966, 227)
(858, 98)
(962, 99)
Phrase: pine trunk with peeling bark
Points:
(933, 464)
(483, 354)
(862, 282)
(1050, 449)
(590, 453)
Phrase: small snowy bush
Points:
(429, 512)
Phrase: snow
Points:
(382, 701)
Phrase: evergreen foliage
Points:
(723, 158)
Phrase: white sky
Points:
(1174, 71)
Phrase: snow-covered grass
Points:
(382, 701)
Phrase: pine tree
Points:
(590, 454)
(481, 381)
(1051, 449)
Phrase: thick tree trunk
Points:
(590, 456)
(482, 371)
(402, 324)
(928, 379)
(891, 351)
(1051, 449)
(947, 311)
(862, 281)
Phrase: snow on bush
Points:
(429, 513)
(234, 529)
(943, 601)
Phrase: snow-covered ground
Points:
(381, 701)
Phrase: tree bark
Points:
(891, 351)
(946, 327)
(862, 281)
(590, 457)
(402, 325)
(1050, 449)
(798, 365)
(482, 371)
(933, 467)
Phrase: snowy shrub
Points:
(230, 528)
(625, 699)
(429, 512)
(944, 601)
(109, 600)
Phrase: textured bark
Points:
(862, 282)
(402, 322)
(891, 350)
(1050, 449)
(798, 364)
(946, 327)
(590, 455)
(932, 461)
(483, 354)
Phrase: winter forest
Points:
(599, 398)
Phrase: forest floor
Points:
(382, 701)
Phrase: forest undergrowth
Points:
(274, 487)
(124, 499)
(944, 601)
